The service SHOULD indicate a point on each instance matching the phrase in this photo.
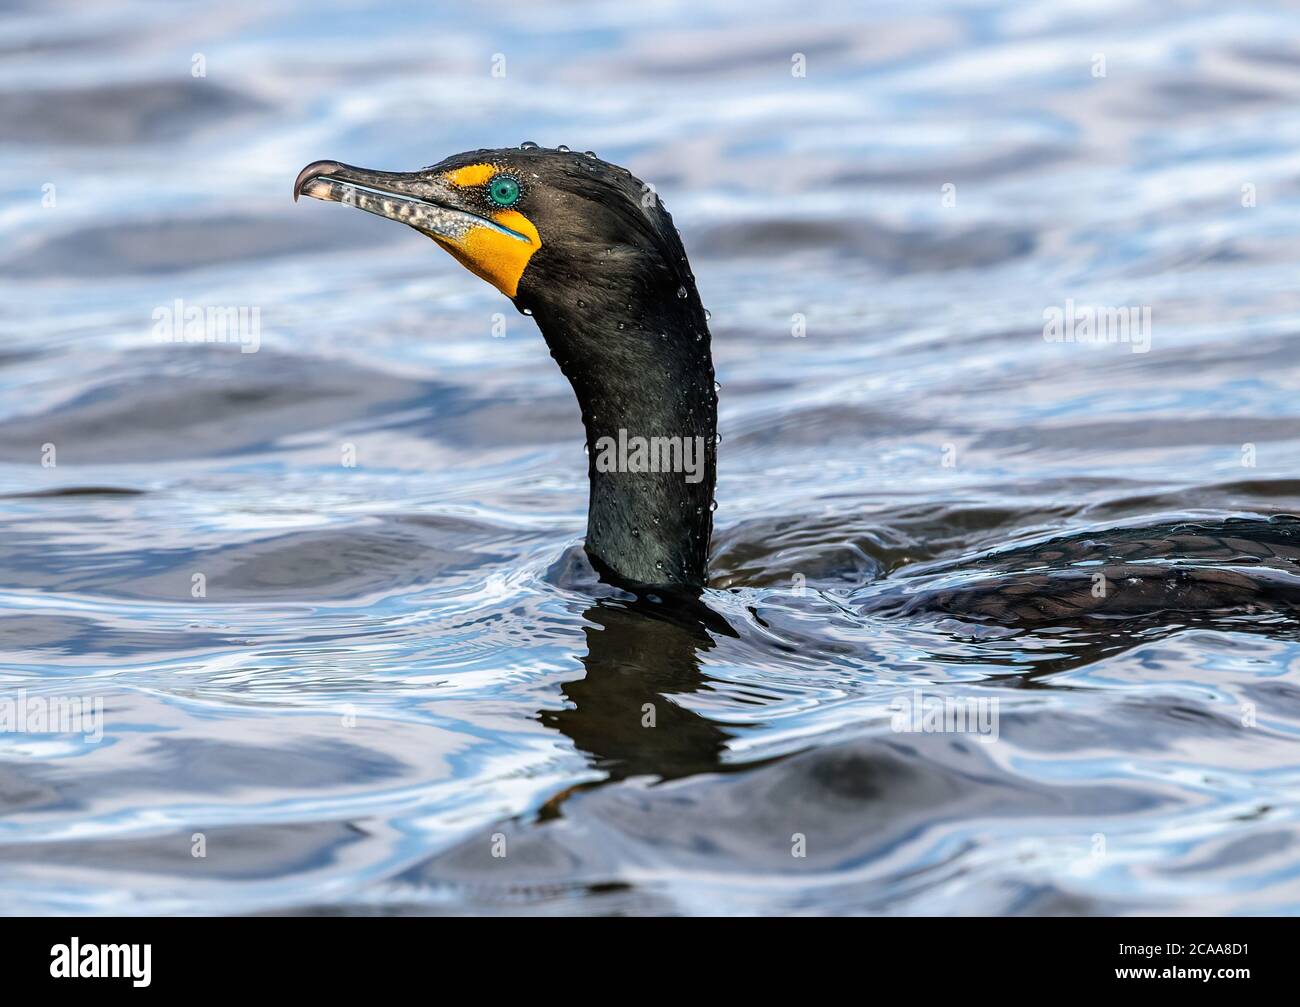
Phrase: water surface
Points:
(401, 667)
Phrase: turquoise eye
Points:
(504, 190)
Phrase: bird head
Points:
(535, 223)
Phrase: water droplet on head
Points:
(528, 145)
(713, 505)
(620, 326)
(590, 153)
(636, 532)
(717, 386)
(681, 292)
(707, 314)
(562, 149)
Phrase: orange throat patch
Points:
(498, 258)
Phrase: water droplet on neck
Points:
(528, 145)
(707, 314)
(713, 505)
(528, 311)
(717, 386)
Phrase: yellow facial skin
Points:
(471, 175)
(498, 258)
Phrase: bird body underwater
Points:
(590, 252)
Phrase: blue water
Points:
(398, 669)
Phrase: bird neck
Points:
(642, 370)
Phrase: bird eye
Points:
(503, 190)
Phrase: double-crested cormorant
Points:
(590, 252)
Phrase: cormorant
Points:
(592, 255)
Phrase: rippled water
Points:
(402, 667)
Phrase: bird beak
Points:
(417, 198)
(495, 247)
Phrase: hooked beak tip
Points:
(316, 169)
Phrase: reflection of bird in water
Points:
(640, 658)
(592, 255)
